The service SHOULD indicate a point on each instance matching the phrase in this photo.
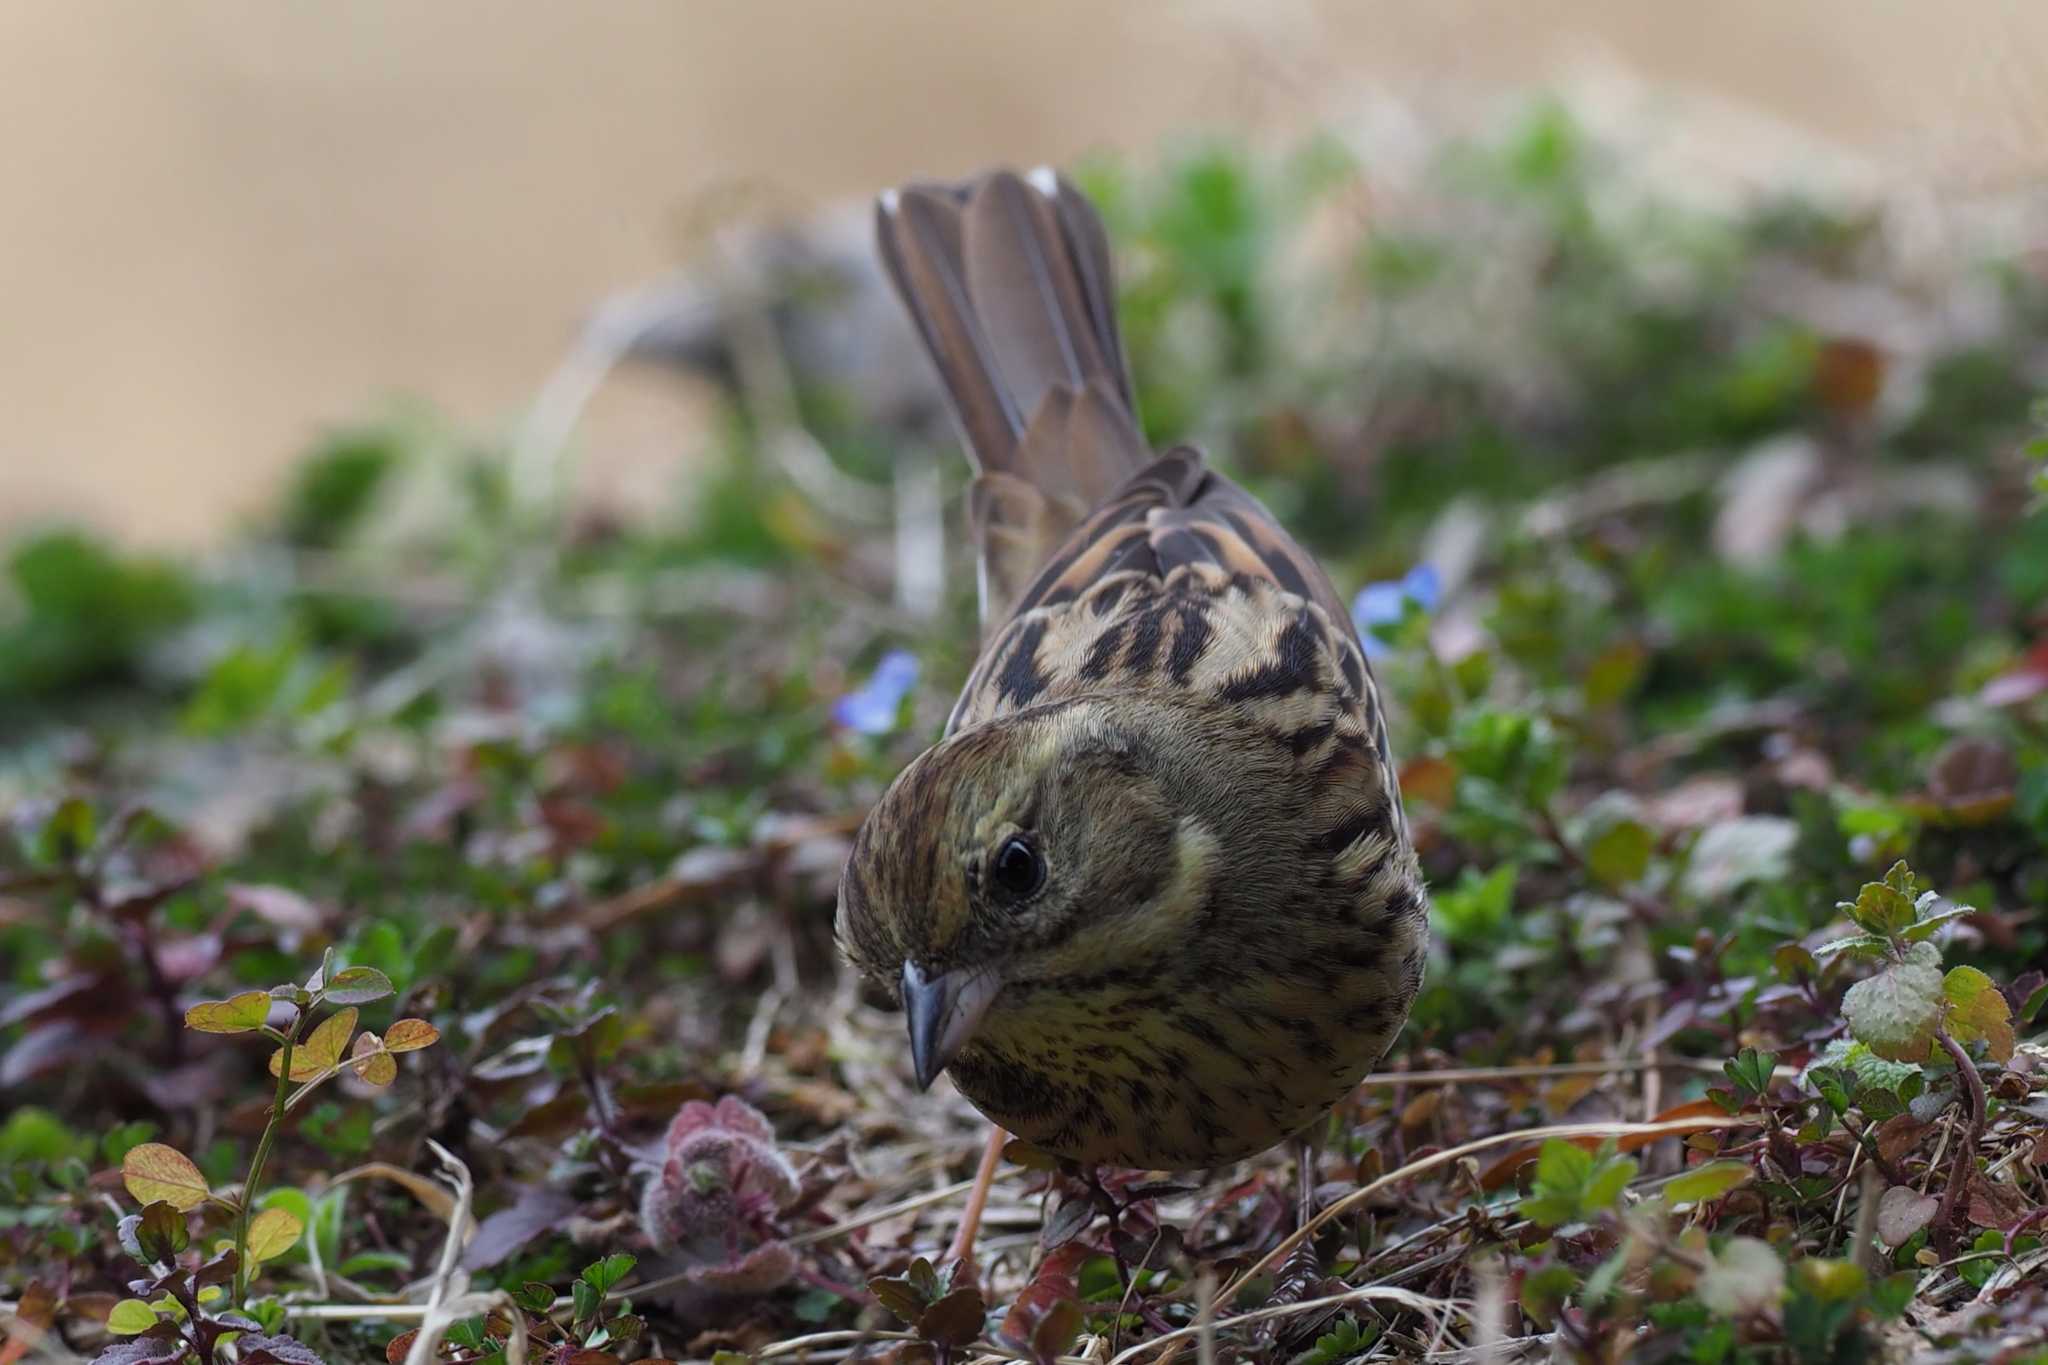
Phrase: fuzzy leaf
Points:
(244, 1013)
(272, 1233)
(1896, 1011)
(410, 1035)
(153, 1172)
(1710, 1180)
(358, 986)
(375, 1065)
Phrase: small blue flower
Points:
(1387, 603)
(871, 709)
(1424, 588)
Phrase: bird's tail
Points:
(1008, 280)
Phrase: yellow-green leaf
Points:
(372, 1062)
(1708, 1181)
(322, 1048)
(153, 1172)
(1614, 672)
(129, 1317)
(1964, 984)
(272, 1233)
(409, 1035)
(1621, 853)
(244, 1013)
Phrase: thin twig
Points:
(1421, 1303)
(449, 1301)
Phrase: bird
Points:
(1151, 900)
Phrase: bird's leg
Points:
(1302, 1268)
(1107, 1204)
(1305, 1174)
(962, 1253)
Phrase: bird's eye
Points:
(1019, 869)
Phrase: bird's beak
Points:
(944, 1011)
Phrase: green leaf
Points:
(1751, 1071)
(1605, 1276)
(534, 1297)
(2032, 1008)
(358, 986)
(1710, 1180)
(1879, 909)
(244, 1013)
(130, 1317)
(162, 1233)
(1610, 1178)
(603, 1275)
(1895, 1012)
(1866, 945)
(1572, 1184)
(69, 831)
(1476, 908)
(1614, 672)
(1832, 1083)
(1343, 1342)
(1793, 963)
(1621, 854)
(1925, 926)
(1545, 1291)
(1563, 1165)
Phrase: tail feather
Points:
(1009, 283)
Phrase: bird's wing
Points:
(1151, 588)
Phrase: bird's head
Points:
(1028, 854)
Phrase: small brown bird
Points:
(1152, 900)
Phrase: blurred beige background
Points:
(228, 223)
